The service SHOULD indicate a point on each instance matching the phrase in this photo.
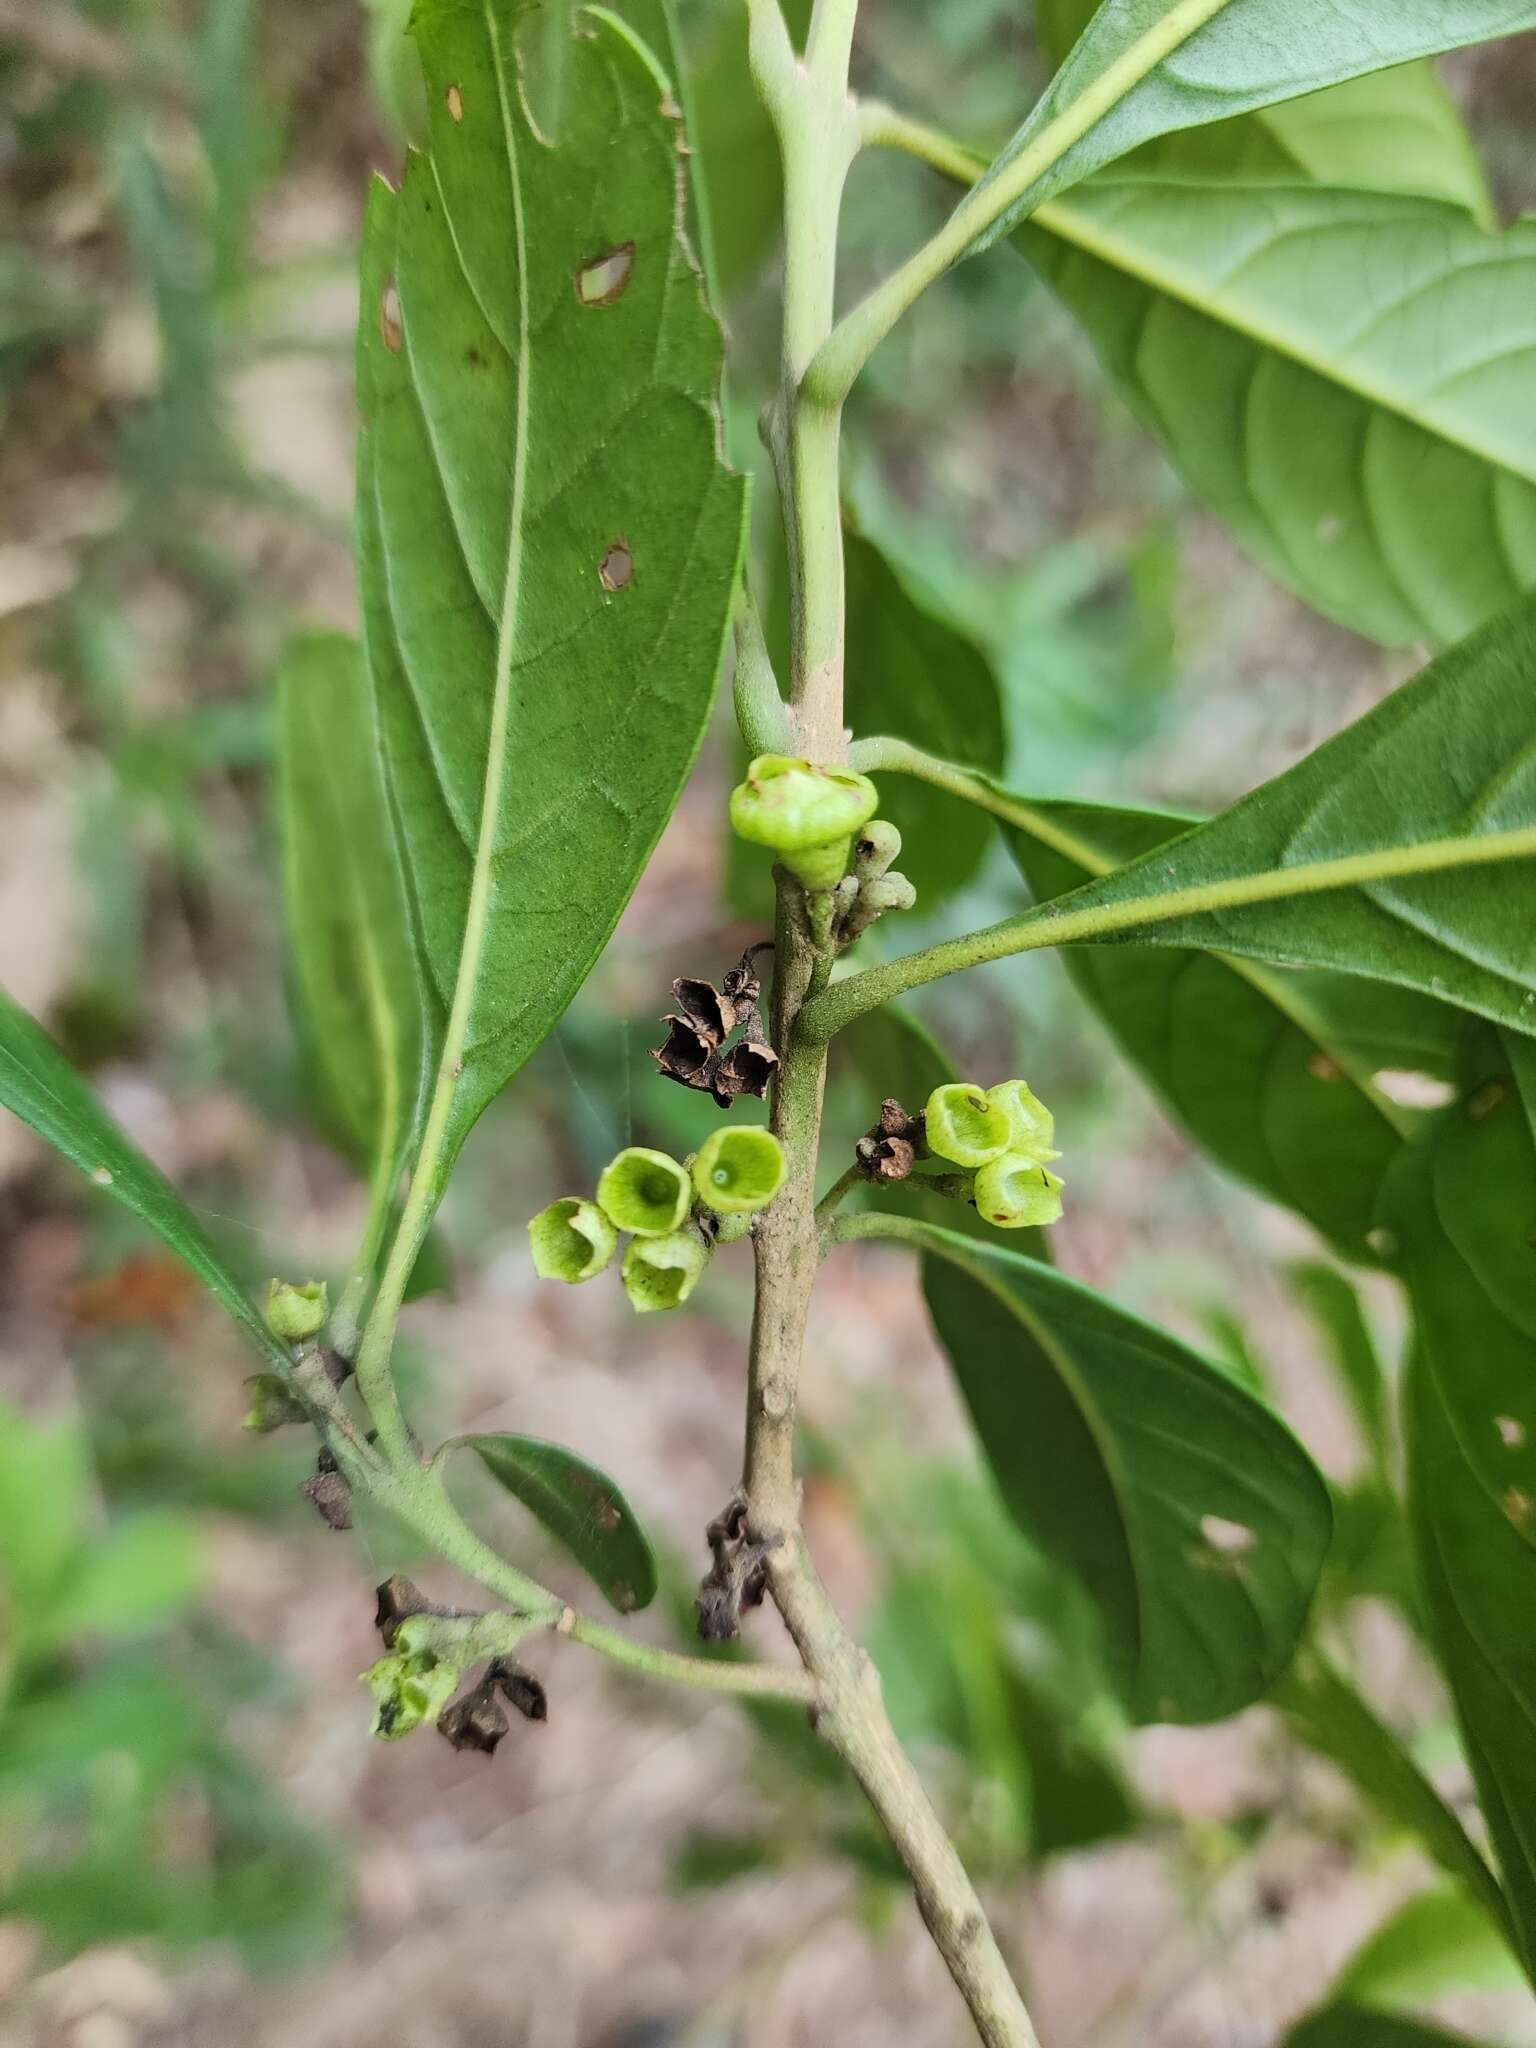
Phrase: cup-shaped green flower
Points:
(1031, 1126)
(1016, 1193)
(644, 1191)
(571, 1240)
(661, 1272)
(297, 1311)
(738, 1169)
(407, 1690)
(807, 815)
(960, 1123)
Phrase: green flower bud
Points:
(644, 1191)
(1013, 1193)
(273, 1403)
(661, 1272)
(961, 1124)
(1030, 1123)
(407, 1690)
(885, 892)
(739, 1169)
(807, 815)
(878, 848)
(729, 1228)
(571, 1240)
(297, 1312)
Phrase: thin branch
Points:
(1054, 925)
(704, 1674)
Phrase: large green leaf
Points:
(1356, 2026)
(1266, 1071)
(1248, 54)
(1188, 1510)
(911, 673)
(1339, 373)
(43, 1089)
(581, 1507)
(1446, 761)
(1440, 1941)
(547, 536)
(361, 980)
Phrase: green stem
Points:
(761, 716)
(704, 1674)
(850, 1178)
(1053, 924)
(859, 333)
(896, 757)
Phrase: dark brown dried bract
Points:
(737, 1579)
(687, 1054)
(711, 1013)
(889, 1150)
(399, 1598)
(519, 1688)
(477, 1721)
(332, 1498)
(745, 1070)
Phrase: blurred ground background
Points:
(180, 194)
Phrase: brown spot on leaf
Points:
(1511, 1432)
(474, 357)
(616, 571)
(455, 102)
(1482, 1102)
(390, 331)
(1519, 1507)
(1321, 1068)
(604, 279)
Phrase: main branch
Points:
(818, 132)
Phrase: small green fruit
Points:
(407, 1690)
(961, 1124)
(297, 1312)
(644, 1191)
(661, 1272)
(740, 1169)
(807, 815)
(571, 1240)
(1014, 1193)
(1030, 1123)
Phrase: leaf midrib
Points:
(1122, 253)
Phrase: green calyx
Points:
(645, 1192)
(571, 1240)
(661, 1272)
(408, 1688)
(739, 1169)
(1032, 1128)
(962, 1124)
(297, 1311)
(807, 815)
(1014, 1193)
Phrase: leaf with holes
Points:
(1340, 374)
(1270, 1073)
(1245, 55)
(367, 1008)
(1439, 782)
(911, 673)
(548, 539)
(1186, 1508)
(579, 1506)
(41, 1087)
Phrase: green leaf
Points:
(44, 1478)
(147, 1568)
(1389, 131)
(913, 674)
(1187, 1509)
(1338, 373)
(742, 174)
(1249, 54)
(1355, 2026)
(578, 1505)
(38, 1083)
(1439, 1942)
(547, 537)
(361, 979)
(1324, 1711)
(1264, 1070)
(1444, 762)
(1477, 1566)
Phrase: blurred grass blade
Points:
(579, 1506)
(1186, 1508)
(1247, 54)
(38, 1083)
(367, 1006)
(547, 537)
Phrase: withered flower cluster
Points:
(697, 1053)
